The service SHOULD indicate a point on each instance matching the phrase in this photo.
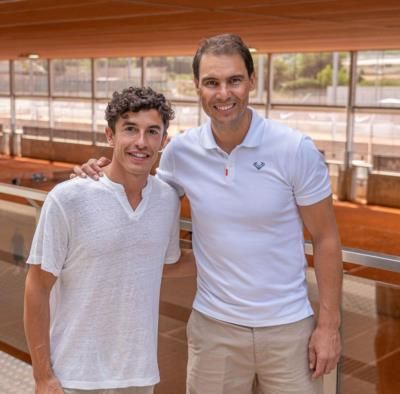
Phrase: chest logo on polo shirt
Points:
(259, 164)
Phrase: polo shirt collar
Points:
(253, 137)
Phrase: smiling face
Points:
(224, 87)
(136, 141)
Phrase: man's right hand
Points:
(48, 386)
(92, 168)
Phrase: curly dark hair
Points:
(134, 99)
(223, 44)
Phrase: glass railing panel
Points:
(370, 334)
(17, 225)
(371, 301)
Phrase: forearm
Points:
(324, 345)
(36, 323)
(329, 272)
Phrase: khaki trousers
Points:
(126, 390)
(226, 358)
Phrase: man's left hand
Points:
(323, 351)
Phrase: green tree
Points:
(310, 64)
(324, 77)
(281, 72)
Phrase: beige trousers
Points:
(226, 358)
(126, 390)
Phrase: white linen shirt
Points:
(247, 232)
(108, 259)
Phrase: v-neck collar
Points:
(120, 194)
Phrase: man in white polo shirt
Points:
(92, 290)
(252, 184)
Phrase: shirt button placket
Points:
(230, 169)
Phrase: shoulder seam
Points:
(60, 207)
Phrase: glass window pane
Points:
(377, 135)
(171, 76)
(5, 112)
(4, 76)
(31, 77)
(72, 77)
(186, 116)
(5, 116)
(101, 123)
(116, 74)
(378, 79)
(32, 112)
(259, 94)
(100, 120)
(72, 115)
(310, 78)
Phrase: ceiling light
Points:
(31, 56)
(252, 50)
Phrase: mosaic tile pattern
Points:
(15, 376)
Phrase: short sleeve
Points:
(173, 251)
(311, 182)
(166, 170)
(50, 241)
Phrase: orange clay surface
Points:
(23, 168)
(367, 227)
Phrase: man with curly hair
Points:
(92, 290)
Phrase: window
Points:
(72, 77)
(376, 135)
(378, 79)
(31, 77)
(171, 76)
(4, 76)
(310, 78)
(73, 115)
(32, 112)
(116, 74)
(259, 94)
(186, 116)
(5, 113)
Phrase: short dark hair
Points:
(223, 44)
(134, 99)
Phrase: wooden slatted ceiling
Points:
(86, 28)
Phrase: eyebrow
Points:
(130, 123)
(207, 78)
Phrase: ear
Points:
(110, 136)
(164, 141)
(196, 84)
(253, 81)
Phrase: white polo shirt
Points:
(247, 232)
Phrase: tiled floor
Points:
(15, 376)
(371, 342)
